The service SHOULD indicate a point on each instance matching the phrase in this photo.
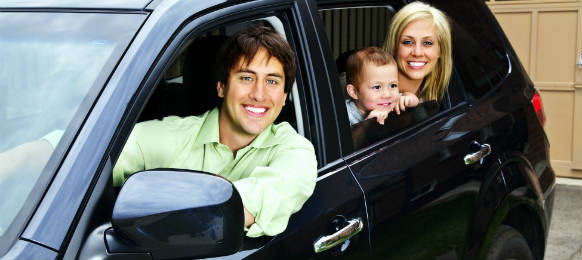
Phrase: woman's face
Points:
(418, 49)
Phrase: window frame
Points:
(455, 99)
(192, 28)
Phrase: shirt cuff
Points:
(243, 187)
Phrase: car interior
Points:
(188, 88)
(189, 85)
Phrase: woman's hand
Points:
(406, 100)
(380, 115)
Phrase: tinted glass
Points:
(354, 28)
(478, 51)
(50, 63)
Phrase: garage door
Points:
(547, 37)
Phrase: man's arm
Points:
(274, 192)
(130, 160)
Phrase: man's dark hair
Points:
(245, 45)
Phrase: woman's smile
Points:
(418, 50)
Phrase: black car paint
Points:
(387, 181)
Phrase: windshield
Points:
(50, 64)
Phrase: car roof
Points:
(76, 4)
(99, 4)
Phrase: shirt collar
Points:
(265, 139)
(209, 132)
(209, 129)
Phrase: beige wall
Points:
(547, 36)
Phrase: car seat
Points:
(197, 94)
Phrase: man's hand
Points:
(406, 100)
(380, 115)
(249, 218)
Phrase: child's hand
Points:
(406, 100)
(380, 115)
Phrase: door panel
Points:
(420, 193)
(336, 194)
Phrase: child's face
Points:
(376, 89)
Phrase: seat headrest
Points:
(199, 71)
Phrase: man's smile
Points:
(257, 111)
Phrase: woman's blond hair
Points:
(436, 82)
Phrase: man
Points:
(273, 168)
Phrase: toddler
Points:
(372, 86)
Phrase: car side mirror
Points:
(177, 214)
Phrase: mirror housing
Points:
(176, 214)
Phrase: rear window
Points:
(479, 60)
(478, 51)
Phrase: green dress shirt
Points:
(275, 174)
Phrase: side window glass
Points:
(350, 29)
(478, 52)
(51, 74)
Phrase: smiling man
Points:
(273, 168)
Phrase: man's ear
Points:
(352, 91)
(285, 98)
(220, 89)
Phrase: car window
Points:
(187, 86)
(52, 64)
(352, 28)
(349, 29)
(478, 62)
(191, 76)
(478, 52)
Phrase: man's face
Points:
(253, 96)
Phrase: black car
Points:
(468, 177)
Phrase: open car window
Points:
(351, 28)
(188, 86)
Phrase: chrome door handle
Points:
(353, 227)
(483, 151)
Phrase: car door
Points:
(421, 194)
(334, 217)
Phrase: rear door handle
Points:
(353, 227)
(482, 152)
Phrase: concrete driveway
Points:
(565, 238)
